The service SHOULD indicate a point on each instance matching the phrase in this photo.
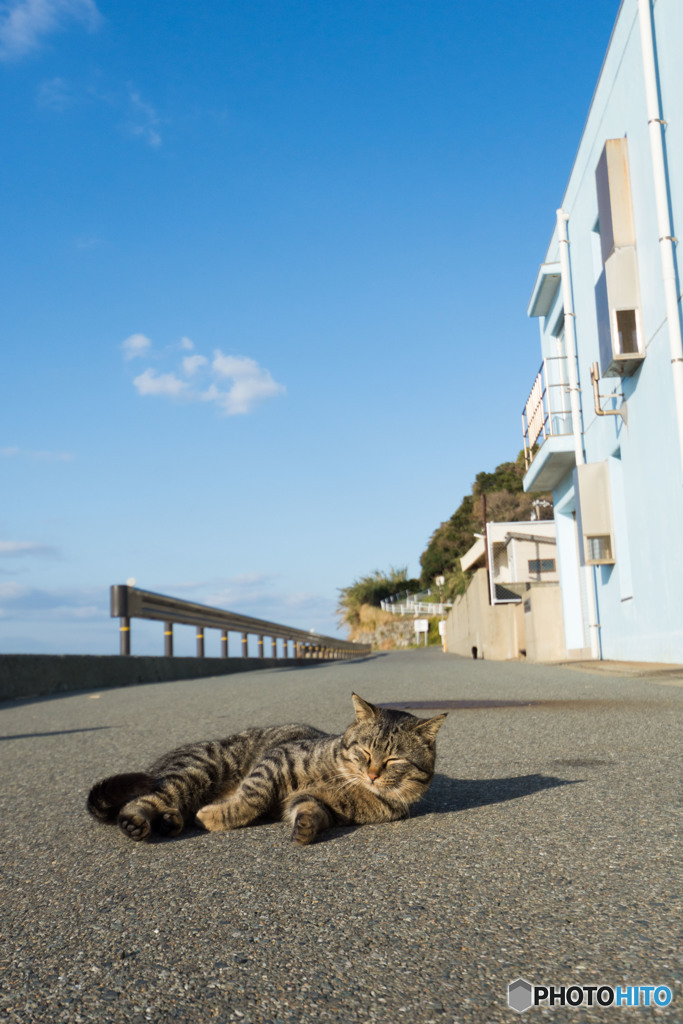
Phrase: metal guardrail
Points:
(131, 603)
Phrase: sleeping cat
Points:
(373, 772)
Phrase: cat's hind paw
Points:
(134, 825)
(170, 822)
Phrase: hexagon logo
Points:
(520, 995)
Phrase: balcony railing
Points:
(547, 412)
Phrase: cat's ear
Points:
(429, 727)
(364, 710)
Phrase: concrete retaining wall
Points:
(544, 624)
(496, 631)
(532, 628)
(39, 675)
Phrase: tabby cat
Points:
(373, 772)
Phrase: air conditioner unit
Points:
(596, 513)
(617, 291)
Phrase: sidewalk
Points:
(659, 672)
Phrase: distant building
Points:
(603, 425)
(516, 553)
(512, 607)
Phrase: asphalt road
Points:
(546, 849)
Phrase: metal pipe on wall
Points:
(575, 405)
(656, 126)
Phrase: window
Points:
(599, 549)
(626, 331)
(539, 565)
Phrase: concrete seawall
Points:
(40, 675)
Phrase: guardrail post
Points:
(245, 645)
(273, 644)
(168, 639)
(260, 647)
(224, 643)
(200, 641)
(125, 634)
(119, 609)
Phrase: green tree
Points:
(372, 590)
(506, 502)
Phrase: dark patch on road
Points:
(455, 705)
(581, 762)
(57, 732)
(587, 704)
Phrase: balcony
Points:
(547, 428)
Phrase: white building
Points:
(603, 425)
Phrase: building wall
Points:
(543, 628)
(521, 552)
(639, 598)
(497, 631)
(532, 628)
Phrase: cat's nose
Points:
(373, 775)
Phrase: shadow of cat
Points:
(447, 795)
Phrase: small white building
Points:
(514, 553)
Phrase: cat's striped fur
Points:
(373, 772)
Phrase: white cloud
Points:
(136, 345)
(87, 242)
(192, 363)
(13, 592)
(251, 384)
(11, 548)
(24, 23)
(248, 384)
(21, 602)
(55, 94)
(152, 383)
(12, 452)
(144, 119)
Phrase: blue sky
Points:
(265, 271)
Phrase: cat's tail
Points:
(107, 797)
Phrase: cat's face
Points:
(390, 751)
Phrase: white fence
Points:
(411, 604)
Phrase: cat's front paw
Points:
(212, 818)
(305, 829)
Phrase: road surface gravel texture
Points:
(545, 849)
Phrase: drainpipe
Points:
(570, 336)
(575, 405)
(666, 240)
